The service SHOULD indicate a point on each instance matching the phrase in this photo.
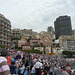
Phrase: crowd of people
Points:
(21, 63)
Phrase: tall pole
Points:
(44, 49)
(51, 50)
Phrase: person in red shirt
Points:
(9, 60)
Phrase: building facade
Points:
(26, 46)
(26, 33)
(5, 31)
(15, 37)
(16, 33)
(47, 41)
(67, 42)
(34, 41)
(63, 26)
(69, 45)
(21, 42)
(73, 32)
(50, 29)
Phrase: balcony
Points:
(1, 27)
(4, 20)
(2, 39)
(5, 40)
(8, 41)
(8, 30)
(1, 35)
(2, 23)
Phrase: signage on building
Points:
(50, 53)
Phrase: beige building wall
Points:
(26, 33)
(16, 33)
(47, 41)
(48, 50)
(21, 42)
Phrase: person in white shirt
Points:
(38, 67)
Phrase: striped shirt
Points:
(4, 68)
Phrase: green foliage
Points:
(33, 51)
(37, 45)
(68, 53)
(57, 45)
(15, 38)
(2, 46)
(73, 53)
(28, 39)
(53, 40)
(41, 44)
(16, 47)
(44, 50)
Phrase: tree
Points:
(15, 38)
(41, 44)
(44, 50)
(33, 51)
(67, 53)
(2, 46)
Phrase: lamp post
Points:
(44, 49)
(51, 50)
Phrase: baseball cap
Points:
(13, 61)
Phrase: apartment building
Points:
(22, 41)
(34, 41)
(69, 45)
(63, 26)
(47, 41)
(67, 42)
(16, 33)
(26, 33)
(5, 31)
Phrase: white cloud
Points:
(36, 14)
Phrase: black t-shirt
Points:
(12, 69)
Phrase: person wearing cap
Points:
(4, 68)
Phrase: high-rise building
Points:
(63, 26)
(5, 31)
(73, 32)
(50, 29)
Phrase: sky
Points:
(36, 14)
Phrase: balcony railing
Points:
(4, 20)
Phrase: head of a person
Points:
(13, 61)
(4, 53)
(18, 59)
(55, 65)
(68, 69)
